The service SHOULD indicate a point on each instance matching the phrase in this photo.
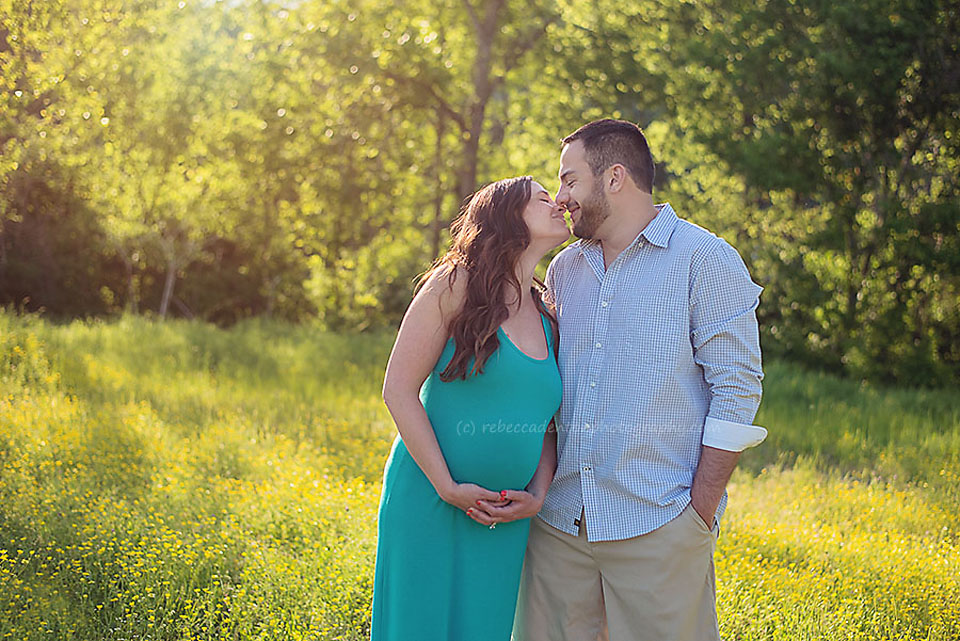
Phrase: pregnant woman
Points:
(472, 384)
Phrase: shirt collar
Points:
(657, 232)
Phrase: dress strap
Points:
(547, 331)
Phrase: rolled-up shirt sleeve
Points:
(726, 345)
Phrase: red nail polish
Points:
(469, 510)
(478, 503)
(503, 494)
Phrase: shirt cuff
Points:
(730, 436)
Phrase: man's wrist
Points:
(706, 506)
(538, 491)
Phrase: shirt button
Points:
(586, 468)
(604, 304)
(599, 345)
(586, 426)
(593, 383)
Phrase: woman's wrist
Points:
(445, 489)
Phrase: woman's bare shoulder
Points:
(447, 285)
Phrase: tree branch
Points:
(521, 45)
(473, 14)
(908, 155)
(441, 103)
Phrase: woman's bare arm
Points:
(420, 341)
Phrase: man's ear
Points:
(617, 175)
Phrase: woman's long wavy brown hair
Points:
(488, 237)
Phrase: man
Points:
(660, 360)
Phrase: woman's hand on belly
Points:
(469, 496)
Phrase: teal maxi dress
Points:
(439, 574)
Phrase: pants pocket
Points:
(699, 519)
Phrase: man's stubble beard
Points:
(593, 212)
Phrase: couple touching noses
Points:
(608, 406)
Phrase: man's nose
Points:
(561, 198)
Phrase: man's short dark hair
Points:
(609, 142)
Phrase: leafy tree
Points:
(227, 159)
(51, 239)
(843, 118)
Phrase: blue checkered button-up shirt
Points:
(659, 354)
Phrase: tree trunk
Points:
(486, 32)
(133, 300)
(468, 168)
(271, 285)
(168, 286)
(438, 217)
(3, 247)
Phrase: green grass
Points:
(177, 481)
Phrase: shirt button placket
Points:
(603, 320)
(600, 325)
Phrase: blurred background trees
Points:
(303, 160)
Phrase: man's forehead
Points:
(571, 154)
(569, 160)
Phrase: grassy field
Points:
(177, 481)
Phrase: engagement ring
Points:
(493, 525)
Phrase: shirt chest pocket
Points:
(655, 323)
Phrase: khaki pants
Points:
(656, 587)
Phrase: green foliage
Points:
(178, 481)
(841, 121)
(23, 364)
(223, 160)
